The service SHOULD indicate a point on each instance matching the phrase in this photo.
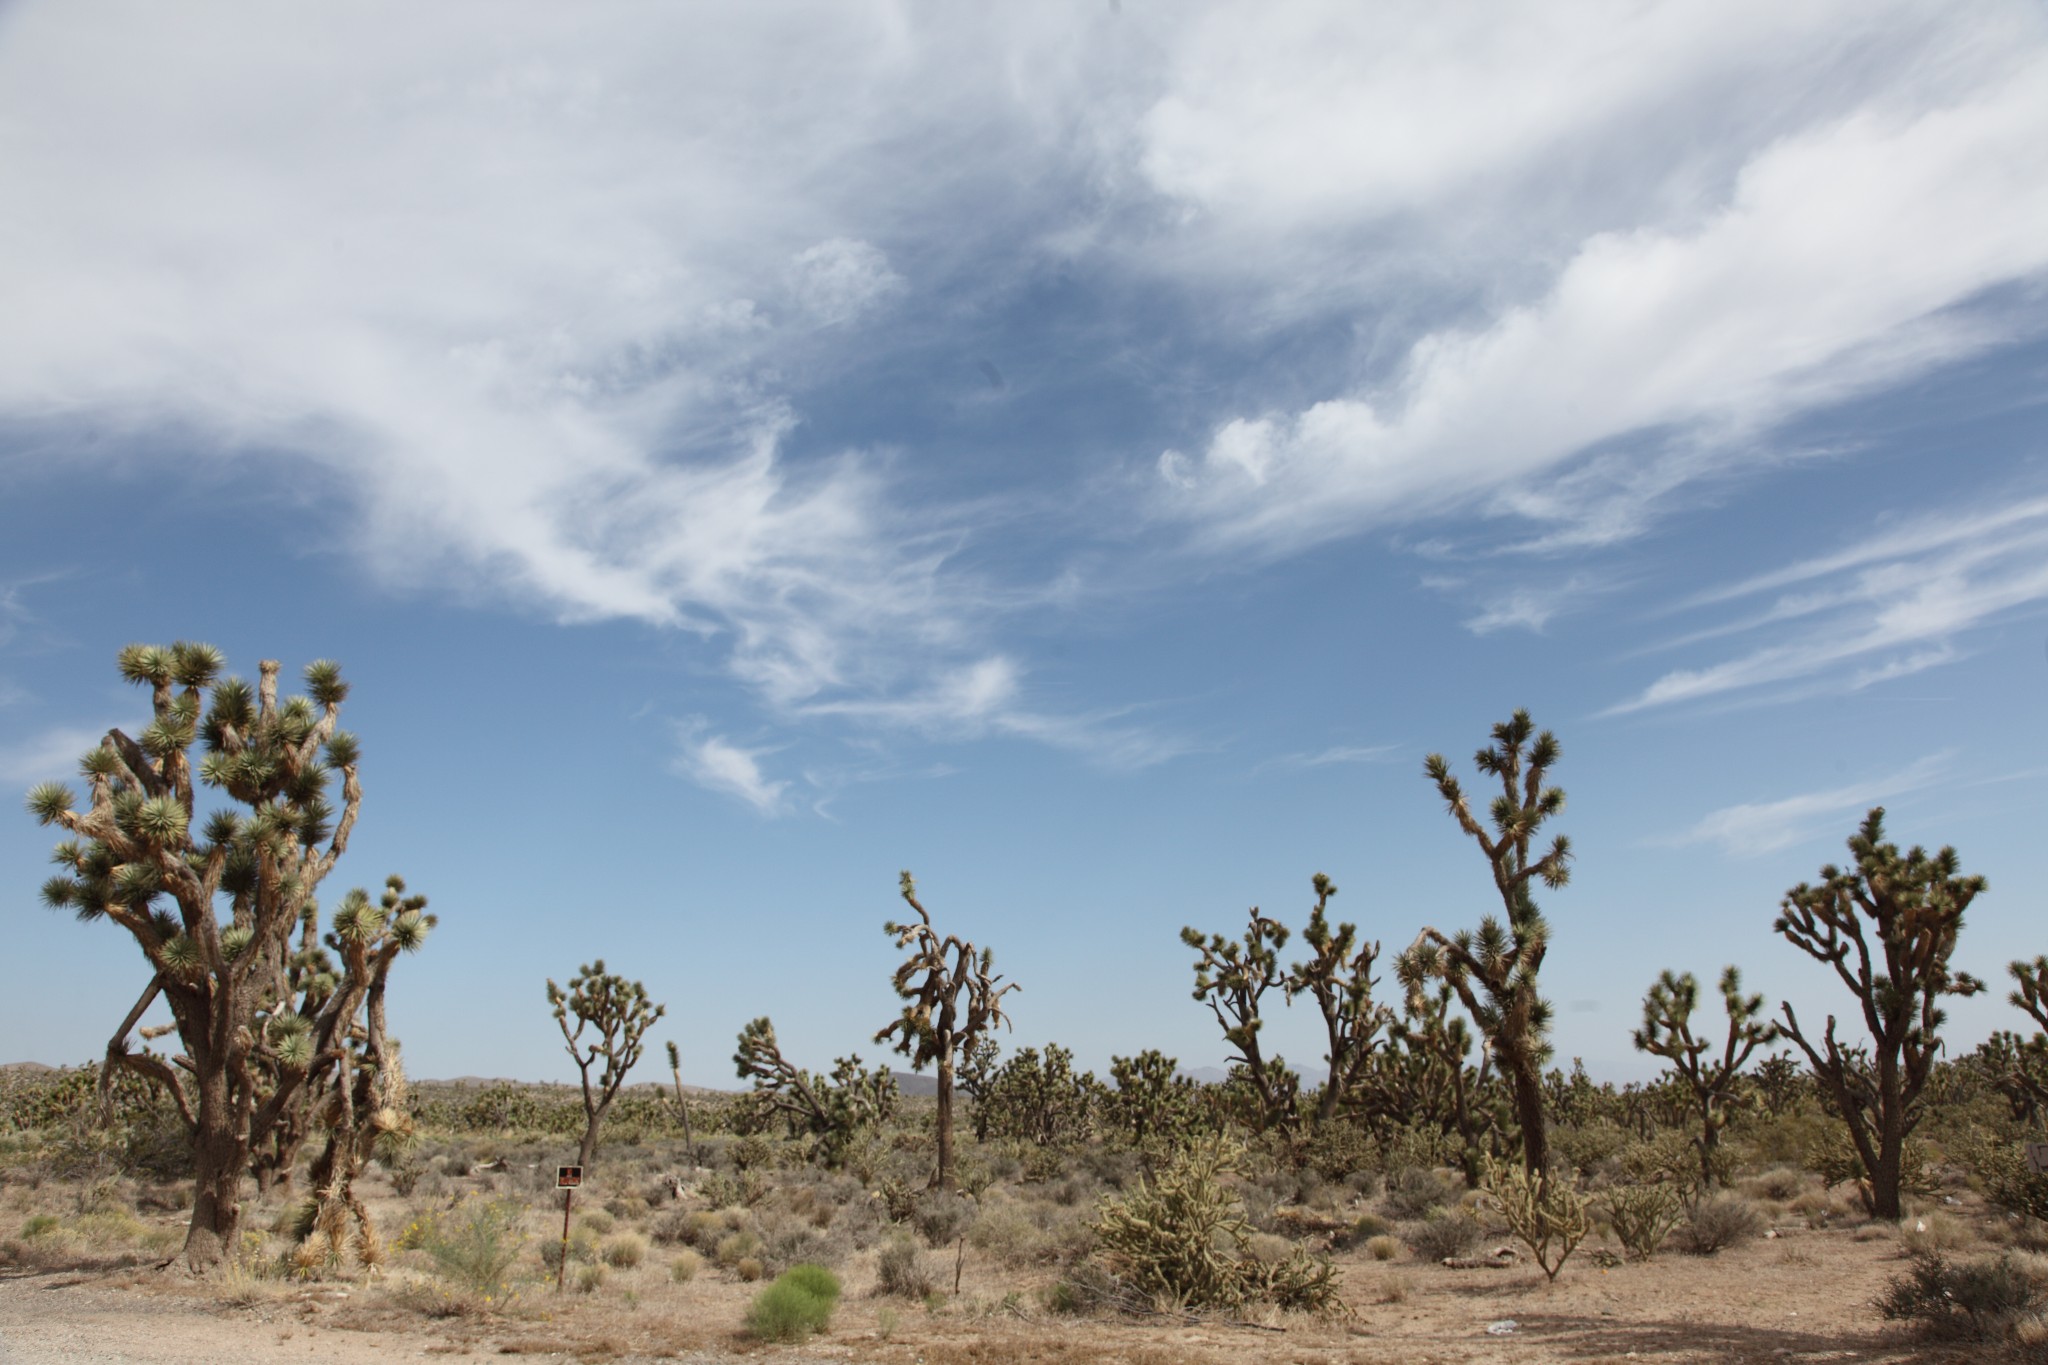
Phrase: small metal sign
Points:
(2037, 1157)
(568, 1177)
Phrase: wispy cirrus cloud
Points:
(49, 756)
(1758, 827)
(1335, 754)
(1900, 601)
(719, 765)
(1852, 247)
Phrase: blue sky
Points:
(1087, 454)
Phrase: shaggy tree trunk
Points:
(216, 1193)
(942, 1179)
(1528, 1087)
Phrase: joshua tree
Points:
(1232, 979)
(830, 1108)
(213, 908)
(1667, 1033)
(1340, 980)
(621, 1014)
(675, 1071)
(1494, 971)
(952, 995)
(361, 1102)
(1914, 906)
(2016, 1066)
(1152, 1099)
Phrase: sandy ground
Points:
(1800, 1296)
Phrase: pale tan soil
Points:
(1803, 1296)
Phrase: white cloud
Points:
(985, 698)
(1842, 254)
(51, 756)
(1765, 826)
(1893, 605)
(838, 280)
(1341, 753)
(719, 765)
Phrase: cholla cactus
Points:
(1914, 904)
(1712, 1081)
(952, 995)
(620, 1013)
(1183, 1239)
(213, 904)
(1542, 1208)
(1494, 971)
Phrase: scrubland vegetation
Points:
(1445, 1165)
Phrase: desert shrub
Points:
(2001, 1168)
(735, 1247)
(627, 1208)
(589, 1278)
(1717, 1224)
(1782, 1183)
(1412, 1193)
(1982, 1298)
(942, 1217)
(1935, 1234)
(1641, 1216)
(901, 1271)
(1544, 1211)
(1444, 1233)
(1363, 1229)
(597, 1220)
(1586, 1147)
(789, 1310)
(582, 1249)
(475, 1244)
(624, 1251)
(1383, 1247)
(1669, 1159)
(788, 1240)
(41, 1225)
(750, 1269)
(815, 1280)
(684, 1265)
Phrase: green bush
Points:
(475, 1244)
(799, 1303)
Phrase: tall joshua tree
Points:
(1913, 907)
(1338, 977)
(951, 995)
(1232, 977)
(1494, 971)
(618, 1013)
(213, 908)
(1667, 1033)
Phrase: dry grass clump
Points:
(1444, 1234)
(1936, 1234)
(684, 1265)
(624, 1251)
(901, 1271)
(1716, 1224)
(1383, 1247)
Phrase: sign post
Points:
(2037, 1157)
(567, 1178)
